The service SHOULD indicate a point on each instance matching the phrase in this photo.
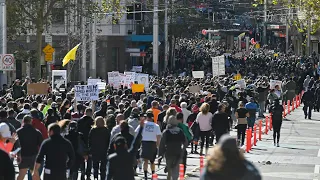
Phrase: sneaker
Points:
(278, 145)
(196, 152)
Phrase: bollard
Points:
(292, 108)
(288, 104)
(284, 109)
(266, 128)
(181, 172)
(270, 122)
(255, 135)
(201, 163)
(247, 140)
(250, 137)
(299, 98)
(154, 177)
(260, 130)
(297, 104)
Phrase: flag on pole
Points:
(242, 35)
(71, 55)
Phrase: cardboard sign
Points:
(37, 88)
(114, 79)
(198, 74)
(137, 88)
(86, 92)
(194, 89)
(130, 78)
(143, 79)
(102, 85)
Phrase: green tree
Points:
(36, 15)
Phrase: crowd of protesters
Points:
(124, 131)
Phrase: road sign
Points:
(158, 42)
(7, 62)
(48, 49)
(48, 38)
(48, 57)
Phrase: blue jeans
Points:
(251, 121)
(40, 172)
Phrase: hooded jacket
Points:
(171, 140)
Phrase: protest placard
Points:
(198, 74)
(274, 83)
(86, 92)
(137, 88)
(241, 83)
(93, 81)
(37, 88)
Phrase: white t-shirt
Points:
(150, 131)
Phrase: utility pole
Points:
(287, 28)
(155, 64)
(83, 68)
(265, 22)
(3, 39)
(309, 37)
(166, 43)
(93, 51)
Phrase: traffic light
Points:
(138, 11)
(130, 12)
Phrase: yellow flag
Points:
(71, 55)
(242, 35)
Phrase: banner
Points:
(143, 79)
(198, 74)
(37, 88)
(86, 92)
(59, 80)
(218, 66)
(130, 78)
(274, 83)
(93, 81)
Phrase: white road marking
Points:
(317, 169)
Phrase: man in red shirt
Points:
(36, 123)
(173, 103)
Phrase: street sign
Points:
(48, 57)
(7, 62)
(48, 49)
(159, 43)
(48, 38)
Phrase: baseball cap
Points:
(5, 130)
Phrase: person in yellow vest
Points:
(155, 110)
(45, 109)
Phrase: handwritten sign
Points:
(86, 92)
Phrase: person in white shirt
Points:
(186, 113)
(204, 119)
(151, 135)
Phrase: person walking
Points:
(59, 155)
(84, 126)
(187, 133)
(7, 171)
(172, 146)
(241, 114)
(150, 142)
(81, 151)
(252, 108)
(194, 126)
(204, 119)
(120, 163)
(276, 109)
(226, 162)
(98, 142)
(30, 142)
(308, 99)
(220, 122)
